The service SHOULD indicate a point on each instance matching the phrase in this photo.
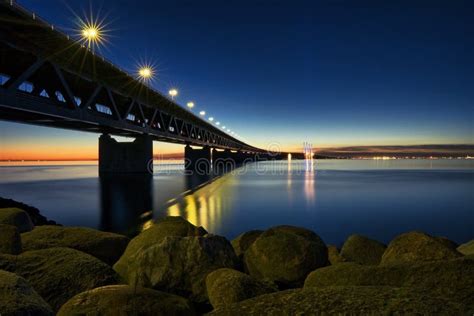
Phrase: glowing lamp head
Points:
(211, 119)
(190, 105)
(223, 127)
(218, 123)
(202, 113)
(90, 33)
(173, 93)
(145, 73)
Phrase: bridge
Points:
(50, 79)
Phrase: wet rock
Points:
(57, 274)
(33, 212)
(126, 300)
(107, 247)
(168, 226)
(17, 297)
(417, 246)
(10, 241)
(361, 300)
(467, 249)
(452, 279)
(226, 286)
(362, 250)
(284, 255)
(242, 242)
(16, 217)
(180, 265)
(334, 256)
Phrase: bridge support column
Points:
(197, 160)
(126, 157)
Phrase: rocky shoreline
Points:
(176, 268)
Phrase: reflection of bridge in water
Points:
(51, 80)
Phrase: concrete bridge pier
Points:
(223, 161)
(125, 157)
(197, 161)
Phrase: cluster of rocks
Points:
(176, 268)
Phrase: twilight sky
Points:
(334, 72)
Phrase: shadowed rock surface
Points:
(467, 248)
(57, 274)
(108, 247)
(361, 300)
(284, 255)
(242, 242)
(10, 241)
(33, 212)
(417, 246)
(362, 250)
(17, 297)
(334, 257)
(126, 300)
(168, 226)
(16, 217)
(180, 265)
(226, 286)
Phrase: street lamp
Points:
(202, 113)
(145, 73)
(173, 93)
(211, 119)
(218, 123)
(190, 105)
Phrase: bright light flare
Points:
(211, 119)
(173, 92)
(218, 123)
(202, 113)
(190, 105)
(145, 72)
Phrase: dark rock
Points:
(180, 265)
(284, 255)
(363, 250)
(168, 226)
(334, 256)
(33, 212)
(16, 217)
(10, 241)
(467, 248)
(361, 300)
(447, 242)
(226, 286)
(57, 274)
(126, 300)
(242, 242)
(17, 297)
(108, 247)
(417, 246)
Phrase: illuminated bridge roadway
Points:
(51, 80)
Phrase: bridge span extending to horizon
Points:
(50, 79)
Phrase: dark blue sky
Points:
(330, 72)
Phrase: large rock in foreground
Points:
(284, 255)
(467, 248)
(16, 217)
(168, 226)
(452, 279)
(17, 297)
(108, 247)
(362, 300)
(227, 286)
(126, 300)
(242, 242)
(57, 274)
(417, 246)
(362, 250)
(180, 265)
(10, 241)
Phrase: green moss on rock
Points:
(10, 241)
(227, 286)
(362, 250)
(467, 248)
(168, 226)
(108, 247)
(284, 255)
(17, 297)
(242, 242)
(57, 274)
(16, 217)
(126, 300)
(417, 246)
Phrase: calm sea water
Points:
(379, 199)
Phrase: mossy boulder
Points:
(363, 250)
(126, 300)
(10, 241)
(350, 300)
(33, 212)
(227, 286)
(180, 265)
(417, 246)
(57, 274)
(16, 217)
(107, 247)
(467, 249)
(284, 255)
(17, 297)
(334, 257)
(452, 278)
(242, 242)
(167, 226)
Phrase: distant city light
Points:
(211, 119)
(173, 93)
(202, 113)
(190, 105)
